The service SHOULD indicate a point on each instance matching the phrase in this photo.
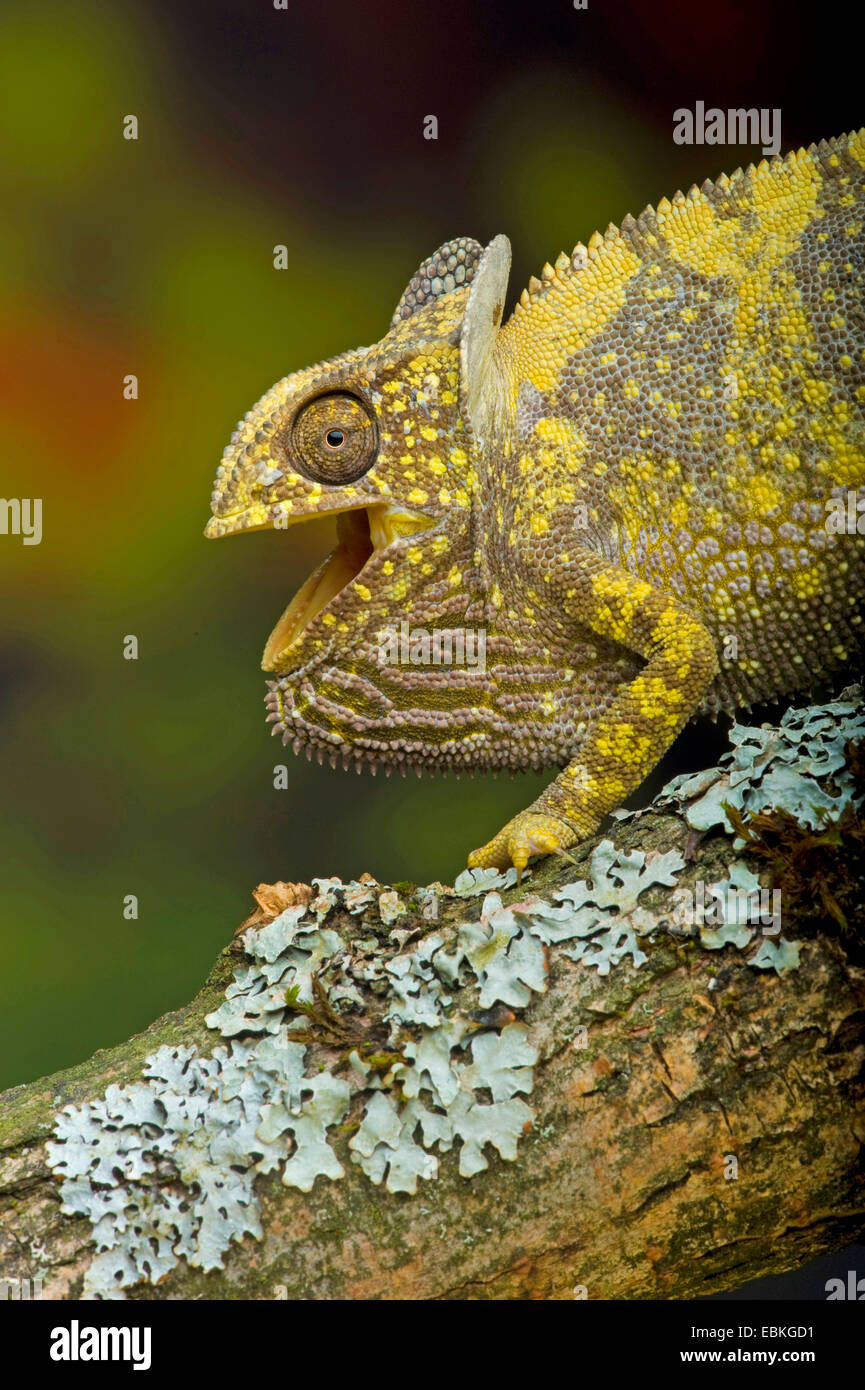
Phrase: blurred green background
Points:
(256, 127)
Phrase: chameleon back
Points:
(695, 382)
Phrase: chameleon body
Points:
(628, 488)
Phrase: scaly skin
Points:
(625, 487)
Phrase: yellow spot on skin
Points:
(621, 743)
(364, 592)
(808, 583)
(816, 392)
(679, 512)
(764, 495)
(572, 312)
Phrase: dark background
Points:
(261, 126)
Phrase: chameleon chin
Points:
(626, 487)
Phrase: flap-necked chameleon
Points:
(641, 490)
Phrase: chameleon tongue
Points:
(331, 577)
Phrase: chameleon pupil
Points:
(334, 438)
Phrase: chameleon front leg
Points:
(625, 742)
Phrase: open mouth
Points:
(361, 533)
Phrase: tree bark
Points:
(708, 1133)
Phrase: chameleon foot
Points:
(526, 835)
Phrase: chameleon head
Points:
(386, 439)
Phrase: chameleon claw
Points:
(527, 835)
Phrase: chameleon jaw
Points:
(362, 533)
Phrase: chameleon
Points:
(640, 489)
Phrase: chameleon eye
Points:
(333, 439)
